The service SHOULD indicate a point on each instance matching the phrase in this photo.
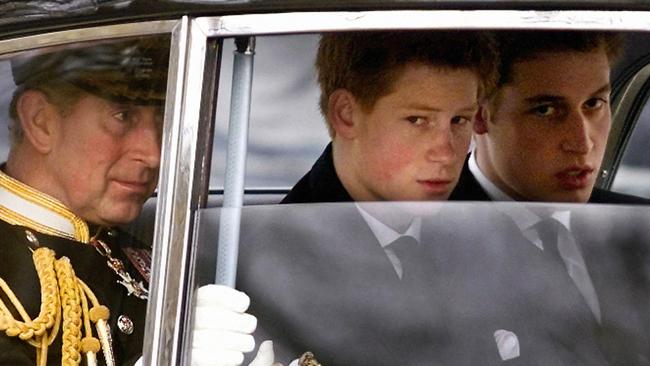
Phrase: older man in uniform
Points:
(85, 154)
(86, 134)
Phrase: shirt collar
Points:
(386, 234)
(23, 205)
(523, 217)
(490, 188)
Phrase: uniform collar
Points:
(23, 205)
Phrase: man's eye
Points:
(416, 120)
(595, 103)
(458, 120)
(122, 116)
(545, 110)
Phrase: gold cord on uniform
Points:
(65, 303)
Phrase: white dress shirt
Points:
(526, 219)
(386, 235)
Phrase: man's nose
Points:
(576, 138)
(147, 141)
(440, 144)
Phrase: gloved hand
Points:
(222, 329)
(264, 357)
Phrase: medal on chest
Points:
(135, 288)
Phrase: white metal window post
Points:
(233, 193)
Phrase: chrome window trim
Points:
(302, 22)
(178, 198)
(86, 34)
(624, 107)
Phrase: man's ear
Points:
(340, 113)
(37, 116)
(482, 119)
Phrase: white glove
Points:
(222, 329)
(264, 357)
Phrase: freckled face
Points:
(548, 127)
(105, 159)
(412, 143)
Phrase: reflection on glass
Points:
(633, 175)
(534, 283)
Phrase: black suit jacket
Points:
(320, 184)
(463, 306)
(468, 189)
(319, 281)
(374, 311)
(495, 279)
(615, 264)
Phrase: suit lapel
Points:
(468, 188)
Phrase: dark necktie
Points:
(408, 251)
(577, 330)
(548, 230)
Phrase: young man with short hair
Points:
(399, 108)
(541, 135)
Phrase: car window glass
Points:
(323, 278)
(633, 175)
(6, 92)
(287, 131)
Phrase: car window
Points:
(287, 130)
(6, 92)
(633, 175)
(489, 280)
(325, 278)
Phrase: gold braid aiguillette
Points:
(64, 304)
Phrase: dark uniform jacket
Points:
(17, 269)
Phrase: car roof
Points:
(17, 16)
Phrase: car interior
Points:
(285, 133)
